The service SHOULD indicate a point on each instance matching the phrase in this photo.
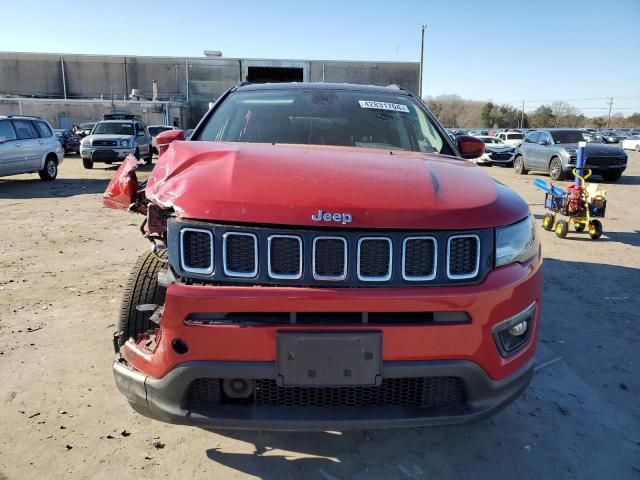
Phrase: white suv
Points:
(28, 145)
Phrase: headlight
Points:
(124, 143)
(516, 243)
(571, 151)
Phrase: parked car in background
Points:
(511, 138)
(83, 129)
(28, 145)
(154, 130)
(631, 143)
(496, 152)
(555, 151)
(112, 140)
(611, 137)
(70, 141)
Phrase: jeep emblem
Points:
(321, 216)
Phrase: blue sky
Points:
(506, 51)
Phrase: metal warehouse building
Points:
(69, 89)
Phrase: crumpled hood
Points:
(288, 184)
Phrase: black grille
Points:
(105, 143)
(329, 257)
(284, 256)
(419, 257)
(196, 249)
(410, 392)
(463, 256)
(240, 253)
(375, 258)
(204, 392)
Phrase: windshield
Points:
(324, 117)
(567, 136)
(113, 128)
(154, 131)
(86, 126)
(491, 140)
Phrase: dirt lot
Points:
(63, 263)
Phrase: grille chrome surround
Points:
(382, 278)
(313, 261)
(240, 274)
(426, 278)
(471, 274)
(280, 275)
(183, 263)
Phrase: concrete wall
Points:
(65, 113)
(193, 81)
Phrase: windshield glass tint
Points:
(567, 136)
(324, 117)
(114, 128)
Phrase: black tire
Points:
(50, 170)
(579, 227)
(87, 163)
(149, 158)
(518, 166)
(595, 229)
(137, 154)
(562, 228)
(141, 288)
(555, 169)
(612, 175)
(548, 221)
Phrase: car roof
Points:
(117, 121)
(321, 86)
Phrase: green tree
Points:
(542, 117)
(487, 115)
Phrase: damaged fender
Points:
(122, 191)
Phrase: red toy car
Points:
(325, 258)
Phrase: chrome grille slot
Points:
(463, 256)
(240, 254)
(285, 256)
(197, 250)
(329, 258)
(374, 259)
(419, 258)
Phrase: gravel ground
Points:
(63, 264)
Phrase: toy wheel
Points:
(562, 228)
(548, 221)
(579, 227)
(595, 229)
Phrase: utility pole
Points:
(610, 105)
(522, 116)
(424, 27)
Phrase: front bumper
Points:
(107, 154)
(155, 378)
(164, 399)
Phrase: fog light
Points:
(513, 333)
(237, 387)
(519, 329)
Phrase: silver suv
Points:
(112, 140)
(28, 145)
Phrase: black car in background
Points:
(70, 141)
(83, 129)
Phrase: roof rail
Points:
(243, 83)
(24, 116)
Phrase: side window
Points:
(44, 129)
(544, 137)
(24, 129)
(6, 131)
(532, 137)
(139, 129)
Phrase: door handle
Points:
(40, 142)
(18, 144)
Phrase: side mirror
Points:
(3, 139)
(469, 147)
(164, 139)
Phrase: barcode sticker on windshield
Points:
(394, 107)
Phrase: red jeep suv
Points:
(324, 257)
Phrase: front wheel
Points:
(149, 158)
(142, 288)
(50, 170)
(548, 221)
(87, 163)
(518, 166)
(555, 169)
(612, 175)
(595, 229)
(562, 228)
